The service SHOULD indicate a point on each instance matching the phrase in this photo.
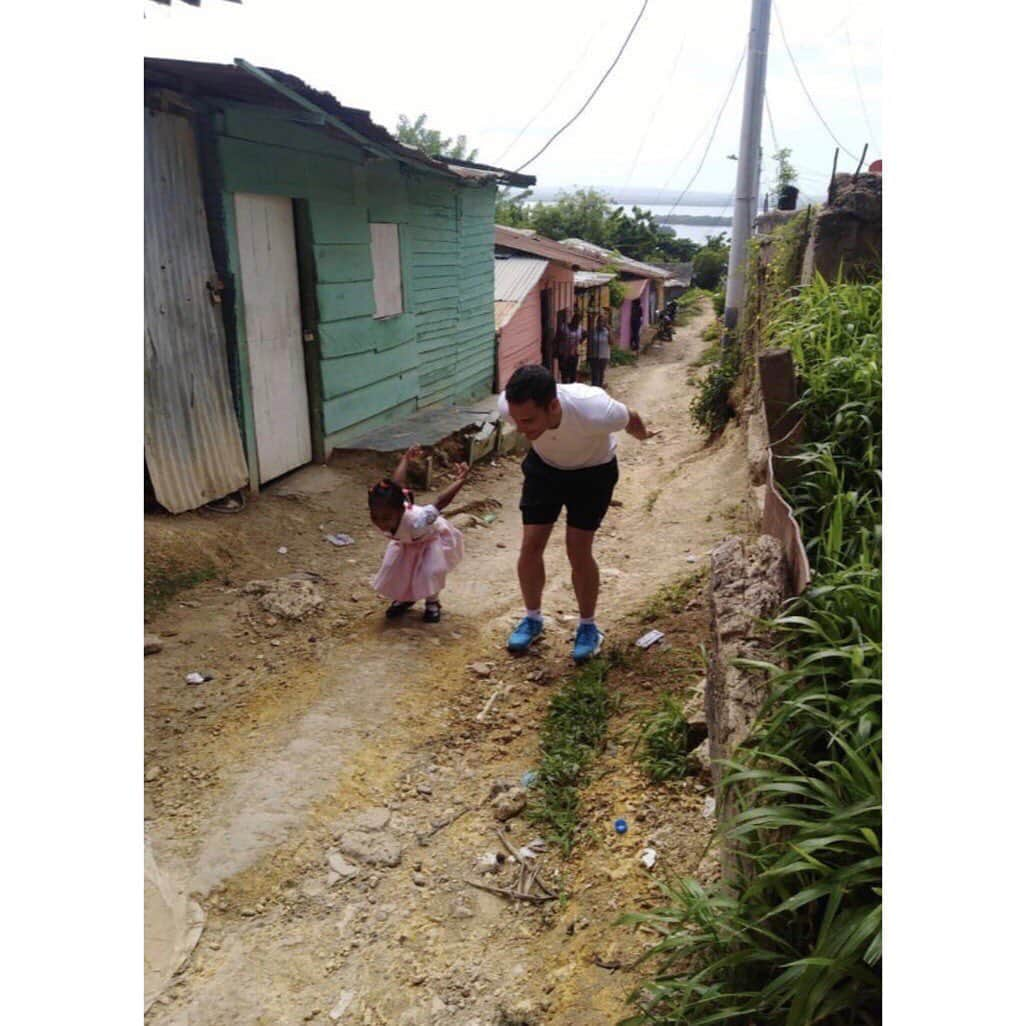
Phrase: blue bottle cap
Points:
(620, 826)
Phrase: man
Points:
(635, 325)
(572, 463)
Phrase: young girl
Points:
(423, 548)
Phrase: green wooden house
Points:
(350, 276)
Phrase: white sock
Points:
(587, 619)
(533, 614)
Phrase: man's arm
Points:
(636, 427)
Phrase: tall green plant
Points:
(800, 941)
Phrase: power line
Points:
(655, 110)
(712, 136)
(858, 86)
(773, 131)
(574, 69)
(705, 128)
(794, 64)
(584, 107)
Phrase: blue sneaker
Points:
(527, 633)
(588, 642)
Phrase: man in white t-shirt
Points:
(572, 463)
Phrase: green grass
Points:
(664, 741)
(798, 941)
(712, 333)
(689, 306)
(622, 357)
(162, 584)
(710, 354)
(671, 599)
(573, 731)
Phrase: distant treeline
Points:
(724, 222)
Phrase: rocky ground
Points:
(326, 801)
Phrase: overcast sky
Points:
(488, 70)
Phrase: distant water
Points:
(694, 232)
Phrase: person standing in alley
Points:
(572, 463)
(635, 325)
(568, 349)
(598, 352)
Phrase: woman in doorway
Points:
(598, 352)
(569, 350)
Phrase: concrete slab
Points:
(426, 427)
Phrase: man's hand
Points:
(636, 427)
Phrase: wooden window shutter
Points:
(388, 282)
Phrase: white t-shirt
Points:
(584, 437)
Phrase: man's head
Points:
(531, 395)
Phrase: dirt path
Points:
(345, 729)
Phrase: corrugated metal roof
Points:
(591, 279)
(531, 242)
(192, 441)
(514, 279)
(233, 82)
(516, 276)
(608, 256)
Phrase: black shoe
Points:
(432, 612)
(397, 609)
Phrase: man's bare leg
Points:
(531, 564)
(585, 571)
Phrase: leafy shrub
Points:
(665, 740)
(711, 408)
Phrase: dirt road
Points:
(346, 737)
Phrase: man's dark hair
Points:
(532, 382)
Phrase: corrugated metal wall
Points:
(193, 446)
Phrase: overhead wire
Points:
(584, 106)
(574, 69)
(704, 129)
(801, 81)
(712, 136)
(858, 87)
(655, 110)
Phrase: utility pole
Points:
(746, 192)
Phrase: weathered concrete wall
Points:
(747, 583)
(848, 232)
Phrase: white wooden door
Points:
(274, 331)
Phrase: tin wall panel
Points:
(193, 445)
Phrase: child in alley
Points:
(423, 546)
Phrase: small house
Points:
(307, 277)
(643, 288)
(534, 281)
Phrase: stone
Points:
(152, 644)
(424, 789)
(372, 819)
(345, 999)
(482, 669)
(509, 803)
(345, 870)
(372, 848)
(152, 773)
(419, 880)
(290, 598)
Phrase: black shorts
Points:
(586, 493)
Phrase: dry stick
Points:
(423, 838)
(534, 899)
(861, 159)
(517, 858)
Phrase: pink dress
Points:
(424, 548)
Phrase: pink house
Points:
(534, 280)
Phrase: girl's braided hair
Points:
(388, 493)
